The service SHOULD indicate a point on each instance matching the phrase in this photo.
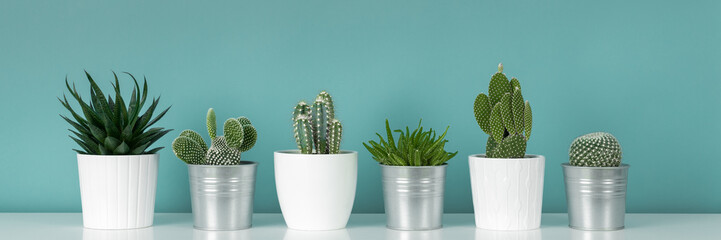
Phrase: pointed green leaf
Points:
(528, 116)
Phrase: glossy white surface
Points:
(179, 226)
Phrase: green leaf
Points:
(482, 111)
(517, 108)
(528, 116)
(111, 143)
(122, 149)
(233, 132)
(506, 112)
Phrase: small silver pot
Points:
(414, 196)
(596, 196)
(222, 196)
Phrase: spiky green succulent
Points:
(597, 149)
(107, 126)
(419, 148)
(315, 127)
(504, 116)
(239, 136)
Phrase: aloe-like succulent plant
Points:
(315, 127)
(239, 136)
(504, 116)
(417, 148)
(597, 149)
(107, 126)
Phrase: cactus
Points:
(504, 116)
(597, 149)
(315, 127)
(239, 136)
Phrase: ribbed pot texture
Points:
(507, 193)
(596, 196)
(222, 196)
(118, 191)
(414, 196)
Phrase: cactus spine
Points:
(597, 149)
(315, 127)
(504, 116)
(239, 136)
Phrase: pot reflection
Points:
(341, 234)
(220, 235)
(414, 235)
(597, 235)
(130, 234)
(483, 234)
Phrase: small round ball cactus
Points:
(597, 149)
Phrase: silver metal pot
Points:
(596, 196)
(222, 196)
(414, 196)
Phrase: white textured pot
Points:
(118, 191)
(316, 191)
(507, 192)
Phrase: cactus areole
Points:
(315, 128)
(504, 116)
(239, 136)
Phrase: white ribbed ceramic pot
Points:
(507, 192)
(316, 191)
(118, 191)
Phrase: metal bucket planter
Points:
(222, 196)
(596, 196)
(414, 196)
(118, 191)
(316, 191)
(507, 192)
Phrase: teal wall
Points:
(647, 71)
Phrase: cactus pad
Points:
(504, 116)
(240, 136)
(597, 149)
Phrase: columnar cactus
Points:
(597, 149)
(504, 116)
(316, 127)
(240, 136)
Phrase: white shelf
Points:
(178, 226)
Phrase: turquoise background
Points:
(647, 71)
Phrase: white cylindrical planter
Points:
(507, 192)
(118, 191)
(316, 191)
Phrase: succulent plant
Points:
(419, 148)
(504, 116)
(315, 127)
(107, 126)
(239, 136)
(597, 149)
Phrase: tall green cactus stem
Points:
(240, 136)
(315, 127)
(597, 149)
(320, 125)
(302, 130)
(334, 137)
(210, 123)
(504, 116)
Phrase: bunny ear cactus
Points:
(504, 116)
(597, 149)
(239, 136)
(315, 127)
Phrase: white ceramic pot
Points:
(316, 191)
(118, 191)
(507, 193)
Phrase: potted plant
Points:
(316, 183)
(221, 184)
(117, 170)
(414, 174)
(596, 183)
(507, 184)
